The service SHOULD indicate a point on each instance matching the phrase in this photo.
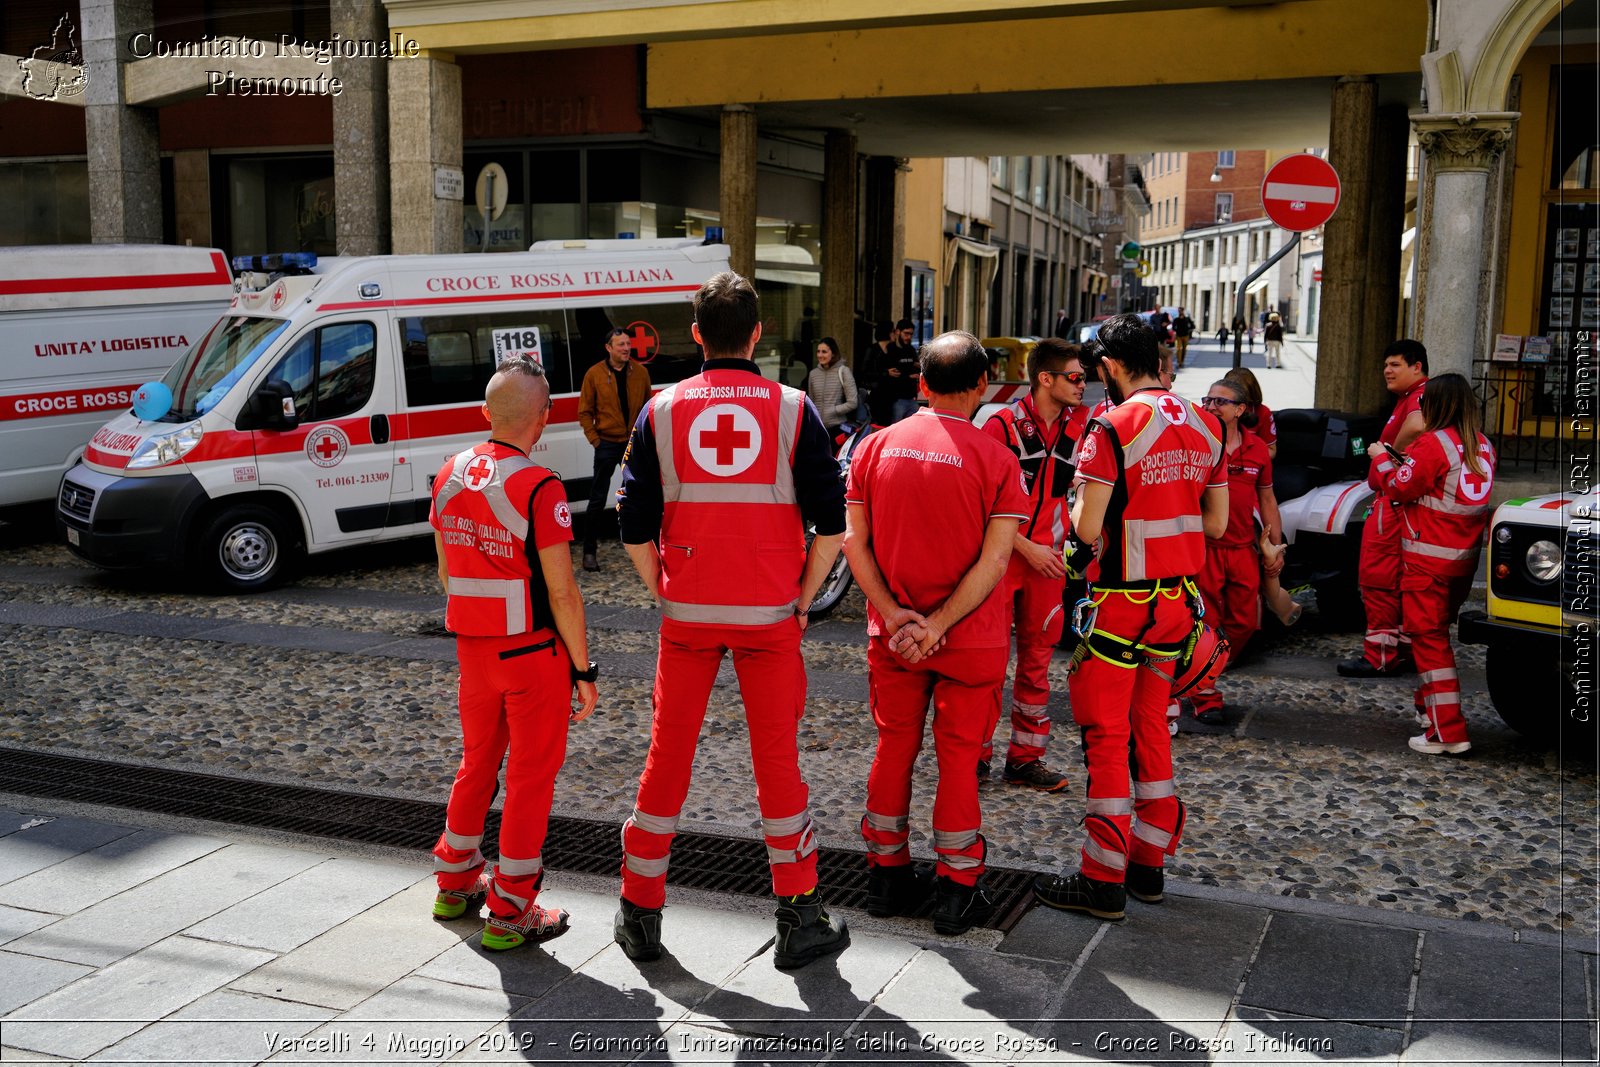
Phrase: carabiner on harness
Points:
(1084, 613)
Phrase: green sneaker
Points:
(501, 932)
(452, 904)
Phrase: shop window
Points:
(281, 205)
(555, 195)
(449, 359)
(1584, 172)
(46, 203)
(660, 334)
(509, 232)
(331, 370)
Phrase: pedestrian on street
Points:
(1042, 431)
(614, 390)
(1222, 337)
(903, 369)
(1231, 580)
(831, 387)
(1182, 330)
(937, 625)
(1441, 495)
(723, 472)
(1063, 326)
(1386, 651)
(1152, 486)
(520, 632)
(1240, 326)
(1273, 341)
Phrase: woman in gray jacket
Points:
(831, 386)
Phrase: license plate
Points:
(74, 537)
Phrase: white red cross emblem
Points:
(479, 473)
(326, 446)
(1475, 486)
(1173, 410)
(724, 440)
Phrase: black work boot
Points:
(806, 931)
(638, 931)
(896, 890)
(1146, 883)
(1079, 892)
(958, 908)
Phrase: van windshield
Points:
(203, 377)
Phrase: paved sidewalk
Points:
(1294, 385)
(128, 938)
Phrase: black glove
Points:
(1076, 556)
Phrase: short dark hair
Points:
(1051, 354)
(903, 324)
(881, 331)
(953, 362)
(1411, 351)
(727, 312)
(1126, 339)
(617, 331)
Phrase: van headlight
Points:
(1543, 561)
(167, 448)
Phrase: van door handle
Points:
(380, 429)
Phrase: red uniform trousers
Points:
(1428, 604)
(964, 685)
(772, 684)
(1380, 584)
(1122, 712)
(515, 695)
(1231, 587)
(1036, 603)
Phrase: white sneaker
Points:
(1420, 743)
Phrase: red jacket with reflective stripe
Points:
(480, 508)
(733, 543)
(1159, 453)
(1444, 503)
(1045, 453)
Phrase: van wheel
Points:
(245, 549)
(1530, 702)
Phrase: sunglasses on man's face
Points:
(1076, 377)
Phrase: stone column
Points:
(886, 238)
(424, 145)
(1459, 150)
(361, 133)
(839, 239)
(124, 147)
(738, 187)
(191, 196)
(1381, 317)
(1341, 329)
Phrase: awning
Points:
(1259, 284)
(955, 243)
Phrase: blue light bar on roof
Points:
(278, 261)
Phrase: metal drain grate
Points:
(585, 846)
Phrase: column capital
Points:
(1464, 140)
(736, 109)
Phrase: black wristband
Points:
(589, 675)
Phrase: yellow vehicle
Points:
(1543, 616)
(1015, 368)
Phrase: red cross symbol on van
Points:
(645, 340)
(327, 446)
(479, 471)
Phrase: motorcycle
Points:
(837, 582)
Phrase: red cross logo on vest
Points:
(326, 446)
(479, 473)
(1173, 410)
(1474, 486)
(724, 440)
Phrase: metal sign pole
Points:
(1244, 287)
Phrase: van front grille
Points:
(76, 500)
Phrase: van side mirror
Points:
(271, 407)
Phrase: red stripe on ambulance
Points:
(218, 275)
(66, 402)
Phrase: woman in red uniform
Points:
(1442, 490)
(1256, 416)
(1231, 581)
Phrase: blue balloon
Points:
(152, 400)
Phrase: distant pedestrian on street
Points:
(613, 392)
(723, 471)
(831, 386)
(1152, 485)
(1063, 326)
(1242, 328)
(904, 369)
(1441, 492)
(1273, 340)
(501, 531)
(934, 506)
(1182, 330)
(1222, 337)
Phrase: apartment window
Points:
(1225, 159)
(999, 170)
(1224, 207)
(1037, 169)
(1020, 175)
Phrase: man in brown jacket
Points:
(614, 392)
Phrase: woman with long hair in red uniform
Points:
(1441, 488)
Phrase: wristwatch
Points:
(586, 675)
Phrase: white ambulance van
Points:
(316, 413)
(80, 327)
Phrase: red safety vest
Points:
(733, 543)
(1443, 503)
(1045, 453)
(1166, 450)
(481, 504)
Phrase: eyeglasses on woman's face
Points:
(1213, 401)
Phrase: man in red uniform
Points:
(936, 623)
(722, 473)
(1151, 488)
(1441, 494)
(1042, 431)
(519, 630)
(1387, 648)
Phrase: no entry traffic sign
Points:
(1300, 192)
